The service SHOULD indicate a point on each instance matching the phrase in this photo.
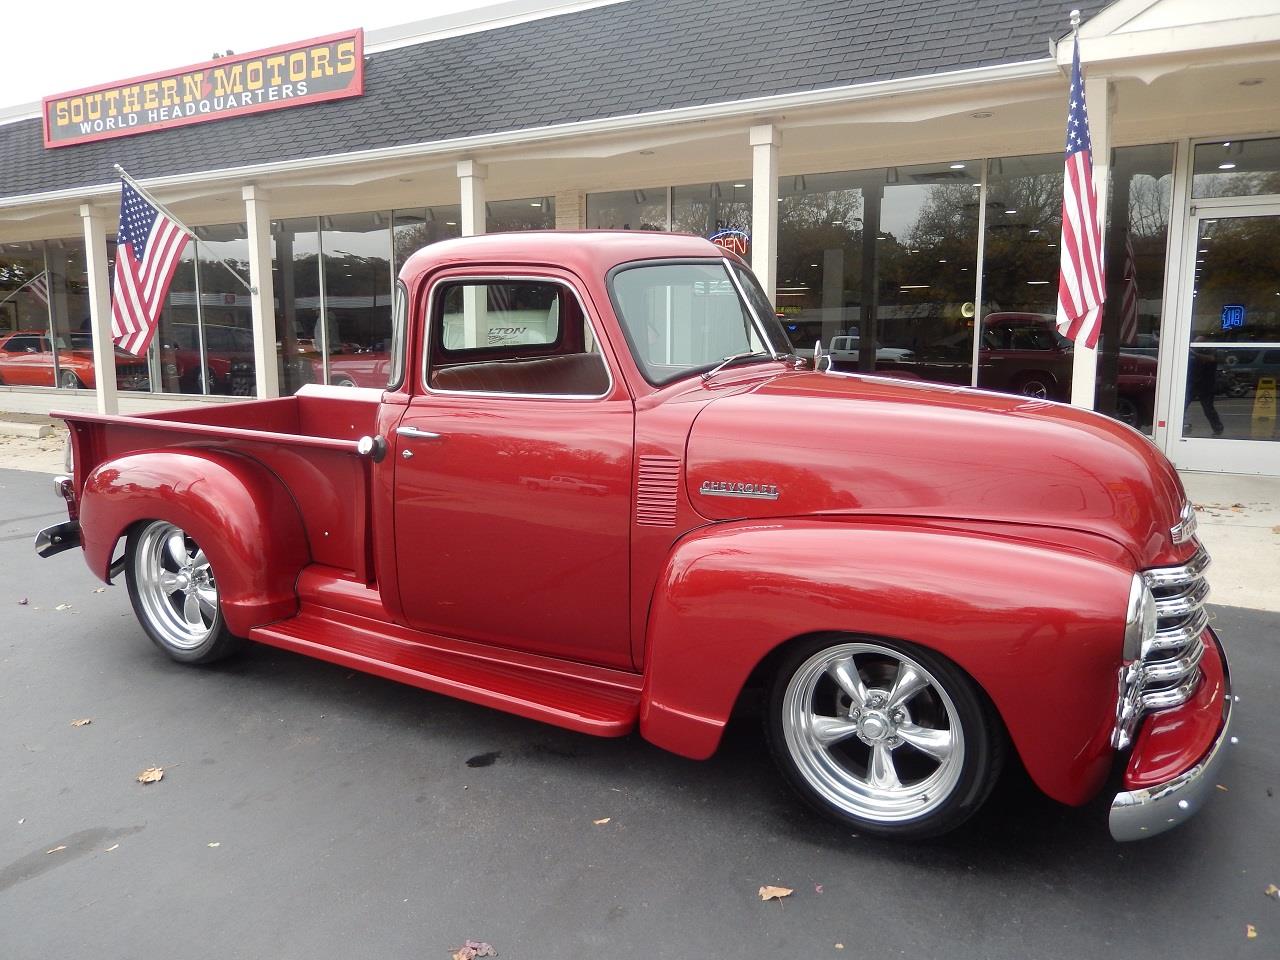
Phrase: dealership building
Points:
(892, 170)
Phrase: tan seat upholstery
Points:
(575, 374)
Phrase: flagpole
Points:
(24, 286)
(178, 223)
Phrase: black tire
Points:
(841, 780)
(149, 562)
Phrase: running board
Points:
(589, 699)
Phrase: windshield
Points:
(682, 318)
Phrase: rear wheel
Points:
(67, 380)
(883, 735)
(175, 594)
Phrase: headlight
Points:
(1140, 620)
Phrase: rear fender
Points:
(1038, 628)
(237, 510)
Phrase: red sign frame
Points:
(155, 83)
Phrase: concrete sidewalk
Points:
(1239, 520)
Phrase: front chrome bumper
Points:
(1138, 814)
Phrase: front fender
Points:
(1039, 628)
(237, 510)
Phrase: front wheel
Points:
(883, 735)
(175, 595)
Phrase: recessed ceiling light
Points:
(1037, 283)
(942, 261)
(882, 238)
(981, 114)
(739, 185)
(1010, 213)
(914, 286)
(1226, 166)
(957, 166)
(813, 264)
(451, 223)
(1251, 82)
(1052, 245)
(1033, 230)
(535, 204)
(837, 223)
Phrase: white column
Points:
(1100, 99)
(94, 222)
(261, 292)
(471, 177)
(475, 308)
(765, 140)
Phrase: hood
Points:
(808, 443)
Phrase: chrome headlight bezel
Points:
(1140, 619)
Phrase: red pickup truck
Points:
(598, 491)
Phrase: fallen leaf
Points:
(56, 849)
(1272, 890)
(839, 946)
(1250, 931)
(1237, 506)
(23, 602)
(114, 846)
(151, 775)
(82, 723)
(99, 589)
(214, 845)
(1222, 788)
(817, 888)
(63, 606)
(474, 948)
(602, 821)
(774, 893)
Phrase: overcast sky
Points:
(54, 47)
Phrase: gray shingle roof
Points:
(633, 57)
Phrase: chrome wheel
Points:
(1035, 388)
(175, 587)
(873, 733)
(67, 380)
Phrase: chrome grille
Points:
(1168, 670)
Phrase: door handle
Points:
(414, 433)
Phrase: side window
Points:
(20, 344)
(526, 337)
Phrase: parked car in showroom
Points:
(651, 507)
(27, 359)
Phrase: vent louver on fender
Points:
(656, 489)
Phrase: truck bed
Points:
(308, 441)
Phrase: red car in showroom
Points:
(27, 359)
(647, 505)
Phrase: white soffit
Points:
(1176, 33)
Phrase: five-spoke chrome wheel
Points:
(887, 736)
(175, 593)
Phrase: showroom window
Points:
(44, 295)
(643, 209)
(531, 213)
(1236, 168)
(414, 228)
(708, 209)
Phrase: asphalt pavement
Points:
(307, 811)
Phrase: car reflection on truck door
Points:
(513, 476)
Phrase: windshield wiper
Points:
(734, 358)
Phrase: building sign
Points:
(327, 68)
(1232, 316)
(735, 240)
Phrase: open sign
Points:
(735, 240)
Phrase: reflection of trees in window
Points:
(707, 208)
(536, 213)
(819, 255)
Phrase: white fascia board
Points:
(757, 107)
(1191, 44)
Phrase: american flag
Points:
(1081, 286)
(148, 245)
(39, 285)
(1129, 305)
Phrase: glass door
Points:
(1223, 417)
